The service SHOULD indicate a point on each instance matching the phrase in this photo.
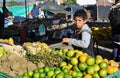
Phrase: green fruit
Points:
(103, 72)
(65, 70)
(79, 74)
(90, 61)
(36, 75)
(90, 70)
(82, 66)
(42, 75)
(50, 73)
(40, 70)
(30, 73)
(96, 75)
(103, 65)
(70, 53)
(74, 74)
(47, 68)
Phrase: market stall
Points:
(39, 60)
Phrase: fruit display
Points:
(76, 64)
(101, 33)
(45, 58)
(17, 49)
(15, 65)
(8, 41)
(36, 47)
(38, 60)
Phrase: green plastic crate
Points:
(114, 75)
(4, 75)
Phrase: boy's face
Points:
(79, 22)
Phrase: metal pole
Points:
(26, 8)
(2, 28)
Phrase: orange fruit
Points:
(88, 76)
(70, 72)
(74, 61)
(110, 70)
(90, 61)
(78, 53)
(82, 58)
(115, 68)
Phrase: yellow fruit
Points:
(62, 64)
(82, 58)
(74, 61)
(115, 68)
(78, 53)
(110, 70)
(11, 41)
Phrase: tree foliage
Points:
(14, 3)
(69, 2)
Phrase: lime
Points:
(50, 73)
(40, 70)
(46, 68)
(30, 73)
(82, 66)
(36, 75)
(74, 74)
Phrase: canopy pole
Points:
(26, 8)
(3, 19)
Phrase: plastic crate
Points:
(4, 75)
(114, 75)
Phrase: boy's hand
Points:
(65, 40)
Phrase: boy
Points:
(81, 38)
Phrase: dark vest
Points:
(88, 50)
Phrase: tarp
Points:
(53, 7)
(19, 10)
(86, 2)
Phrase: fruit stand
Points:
(38, 60)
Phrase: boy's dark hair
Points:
(80, 13)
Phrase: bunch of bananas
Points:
(101, 33)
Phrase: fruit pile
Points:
(76, 65)
(8, 41)
(36, 47)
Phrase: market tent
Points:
(53, 7)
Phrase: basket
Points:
(4, 75)
(114, 75)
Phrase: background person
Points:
(81, 38)
(114, 17)
(41, 13)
